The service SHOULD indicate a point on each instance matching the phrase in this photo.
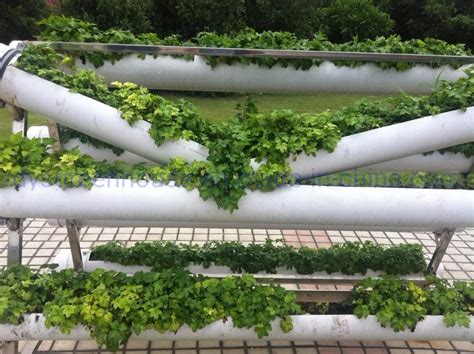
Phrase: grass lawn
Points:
(222, 107)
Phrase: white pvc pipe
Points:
(99, 154)
(389, 143)
(285, 207)
(168, 73)
(64, 261)
(434, 162)
(90, 117)
(305, 328)
(104, 123)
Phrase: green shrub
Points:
(132, 15)
(450, 20)
(18, 19)
(347, 19)
(209, 15)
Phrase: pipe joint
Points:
(7, 54)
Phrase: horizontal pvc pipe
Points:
(305, 327)
(389, 143)
(64, 261)
(285, 207)
(90, 117)
(168, 73)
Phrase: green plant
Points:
(57, 28)
(113, 306)
(208, 15)
(348, 19)
(18, 19)
(348, 258)
(401, 304)
(131, 15)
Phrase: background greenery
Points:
(450, 20)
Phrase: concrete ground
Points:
(42, 242)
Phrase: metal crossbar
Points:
(256, 53)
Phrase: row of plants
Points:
(22, 159)
(273, 138)
(67, 29)
(349, 258)
(113, 305)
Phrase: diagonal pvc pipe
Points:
(285, 207)
(435, 162)
(90, 117)
(305, 328)
(389, 143)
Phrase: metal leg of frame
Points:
(73, 234)
(15, 239)
(443, 239)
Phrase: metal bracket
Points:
(443, 239)
(53, 130)
(73, 234)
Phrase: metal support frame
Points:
(73, 230)
(255, 53)
(15, 239)
(15, 226)
(73, 235)
(443, 239)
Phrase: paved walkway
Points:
(42, 242)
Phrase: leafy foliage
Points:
(347, 258)
(18, 19)
(348, 19)
(401, 304)
(113, 306)
(134, 16)
(70, 29)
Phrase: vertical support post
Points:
(15, 226)
(443, 239)
(73, 231)
(73, 234)
(15, 239)
(54, 134)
